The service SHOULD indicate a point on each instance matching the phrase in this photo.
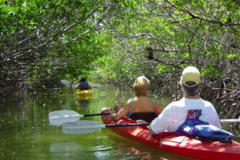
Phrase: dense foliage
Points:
(160, 38)
(43, 41)
(118, 40)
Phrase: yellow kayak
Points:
(85, 93)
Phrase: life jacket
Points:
(203, 131)
(84, 85)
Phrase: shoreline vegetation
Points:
(113, 42)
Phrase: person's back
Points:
(177, 112)
(83, 85)
(189, 107)
(142, 104)
(139, 107)
(142, 108)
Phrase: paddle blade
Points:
(73, 85)
(81, 127)
(65, 82)
(59, 117)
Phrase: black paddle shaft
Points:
(96, 114)
(127, 125)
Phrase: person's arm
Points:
(122, 112)
(112, 114)
(89, 87)
(78, 86)
(159, 109)
(162, 122)
(150, 129)
(215, 118)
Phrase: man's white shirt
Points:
(177, 112)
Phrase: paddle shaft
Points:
(96, 114)
(83, 127)
(221, 120)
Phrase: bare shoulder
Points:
(128, 101)
(127, 105)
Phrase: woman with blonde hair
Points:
(140, 107)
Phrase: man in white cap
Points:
(191, 106)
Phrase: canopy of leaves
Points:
(42, 41)
(160, 38)
(118, 40)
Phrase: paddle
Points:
(59, 117)
(83, 127)
(65, 82)
(73, 85)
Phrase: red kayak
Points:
(167, 141)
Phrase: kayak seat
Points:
(146, 116)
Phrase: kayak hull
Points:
(85, 93)
(167, 141)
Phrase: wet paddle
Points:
(73, 85)
(59, 117)
(65, 82)
(83, 127)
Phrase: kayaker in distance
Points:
(191, 106)
(83, 85)
(139, 108)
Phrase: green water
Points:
(25, 132)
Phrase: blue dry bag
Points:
(203, 131)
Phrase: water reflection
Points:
(64, 147)
(65, 106)
(25, 132)
(126, 149)
(69, 150)
(83, 101)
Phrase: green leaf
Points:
(230, 55)
(160, 68)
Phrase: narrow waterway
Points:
(25, 132)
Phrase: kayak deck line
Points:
(167, 141)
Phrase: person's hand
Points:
(112, 111)
(116, 102)
(78, 86)
(117, 108)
